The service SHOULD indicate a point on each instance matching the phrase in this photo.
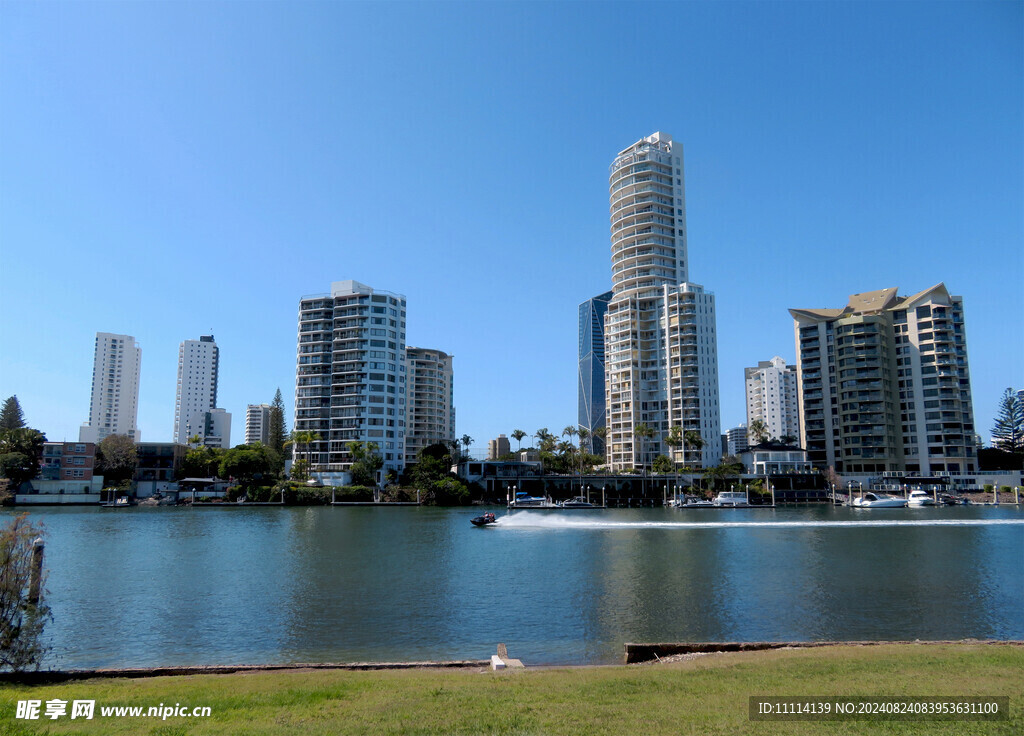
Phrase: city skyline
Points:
(133, 148)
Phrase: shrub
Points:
(302, 495)
(351, 493)
(21, 621)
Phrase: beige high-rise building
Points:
(498, 447)
(884, 384)
(661, 357)
(431, 410)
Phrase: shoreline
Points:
(634, 654)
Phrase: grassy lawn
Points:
(706, 695)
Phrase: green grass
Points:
(707, 695)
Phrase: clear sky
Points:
(173, 169)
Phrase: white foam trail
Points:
(526, 520)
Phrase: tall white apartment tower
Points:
(350, 376)
(661, 356)
(198, 366)
(114, 404)
(772, 397)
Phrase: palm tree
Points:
(466, 442)
(674, 439)
(545, 440)
(693, 437)
(584, 436)
(602, 433)
(758, 431)
(643, 433)
(301, 440)
(517, 435)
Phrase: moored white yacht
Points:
(731, 499)
(878, 500)
(920, 498)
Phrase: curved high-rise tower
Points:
(648, 215)
(661, 357)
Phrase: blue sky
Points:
(172, 169)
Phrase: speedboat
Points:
(876, 500)
(579, 502)
(730, 499)
(920, 498)
(487, 518)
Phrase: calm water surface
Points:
(165, 586)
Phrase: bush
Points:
(302, 495)
(21, 622)
(351, 493)
(399, 494)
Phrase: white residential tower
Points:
(661, 357)
(114, 403)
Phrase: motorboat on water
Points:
(877, 500)
(730, 499)
(486, 519)
(920, 498)
(579, 502)
(121, 502)
(523, 500)
(690, 502)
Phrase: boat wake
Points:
(526, 520)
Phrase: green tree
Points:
(643, 433)
(277, 433)
(116, 459)
(1008, 430)
(22, 615)
(248, 464)
(545, 440)
(201, 462)
(517, 435)
(366, 461)
(758, 431)
(433, 462)
(11, 416)
(27, 444)
(721, 472)
(585, 436)
(466, 442)
(602, 434)
(301, 440)
(663, 465)
(17, 467)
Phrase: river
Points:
(175, 586)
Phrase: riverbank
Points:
(708, 693)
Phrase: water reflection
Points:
(177, 586)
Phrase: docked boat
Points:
(690, 502)
(920, 498)
(121, 502)
(579, 502)
(523, 500)
(487, 518)
(730, 499)
(876, 500)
